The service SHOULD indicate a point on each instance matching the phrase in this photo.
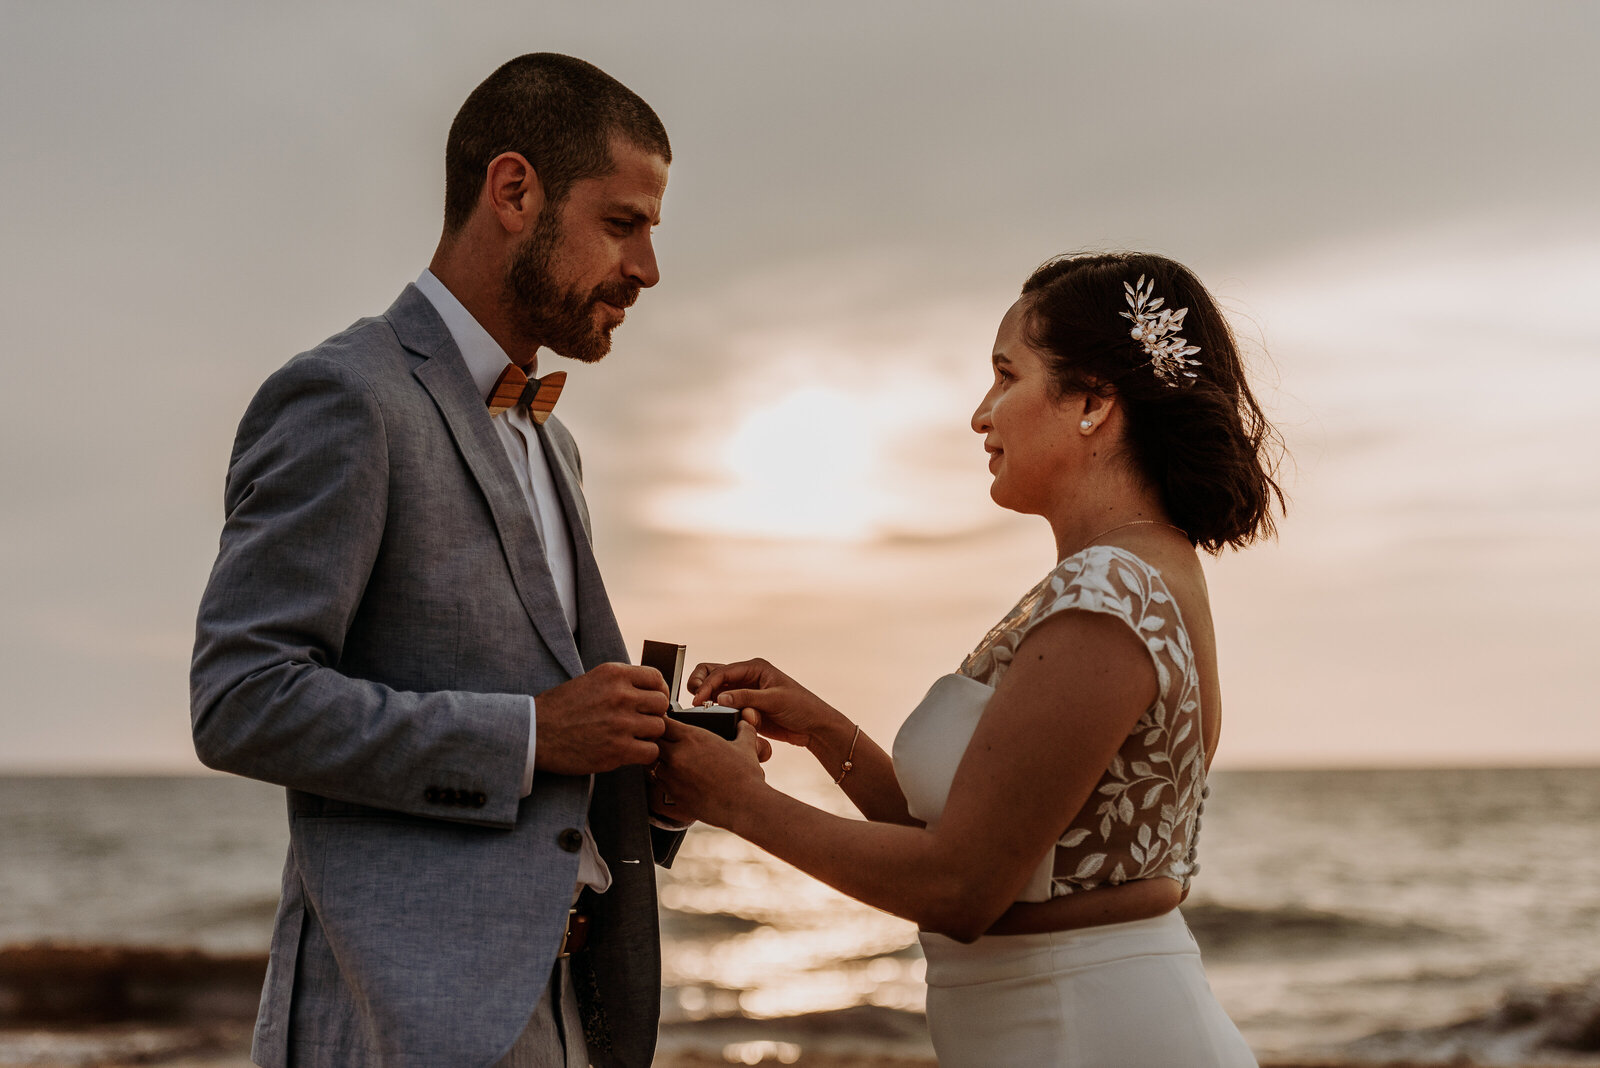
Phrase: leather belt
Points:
(576, 935)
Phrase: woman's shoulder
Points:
(1113, 581)
(1105, 578)
(1102, 579)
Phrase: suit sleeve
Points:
(305, 502)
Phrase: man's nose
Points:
(641, 265)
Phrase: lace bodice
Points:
(1143, 818)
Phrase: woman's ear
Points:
(1094, 410)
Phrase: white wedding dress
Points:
(1126, 994)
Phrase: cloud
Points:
(192, 193)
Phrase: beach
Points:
(1443, 917)
(105, 1006)
(228, 1047)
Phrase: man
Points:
(406, 628)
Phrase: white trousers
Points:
(1126, 995)
(554, 1035)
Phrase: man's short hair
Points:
(559, 113)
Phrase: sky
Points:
(1394, 202)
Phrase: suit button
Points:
(431, 795)
(570, 839)
(479, 800)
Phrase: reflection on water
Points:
(1331, 905)
(811, 949)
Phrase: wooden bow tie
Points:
(539, 394)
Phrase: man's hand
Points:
(600, 721)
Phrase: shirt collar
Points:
(484, 357)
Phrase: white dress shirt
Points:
(485, 360)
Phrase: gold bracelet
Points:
(849, 760)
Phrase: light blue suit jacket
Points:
(379, 612)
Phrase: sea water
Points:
(1330, 904)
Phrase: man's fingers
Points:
(640, 752)
(649, 727)
(651, 703)
(636, 675)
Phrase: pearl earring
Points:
(1086, 426)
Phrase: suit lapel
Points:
(444, 375)
(599, 639)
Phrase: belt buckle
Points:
(576, 935)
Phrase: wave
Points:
(1552, 1024)
(861, 1029)
(49, 982)
(1293, 931)
(683, 926)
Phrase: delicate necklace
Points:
(1135, 523)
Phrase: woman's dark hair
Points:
(1204, 443)
(560, 113)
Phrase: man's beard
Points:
(546, 314)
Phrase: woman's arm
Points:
(1076, 687)
(789, 712)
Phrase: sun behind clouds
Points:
(828, 463)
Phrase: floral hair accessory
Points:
(1155, 329)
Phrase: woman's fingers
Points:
(749, 740)
(709, 680)
(697, 677)
(703, 774)
(755, 699)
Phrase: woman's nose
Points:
(980, 417)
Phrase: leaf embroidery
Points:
(1162, 757)
(1089, 865)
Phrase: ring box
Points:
(667, 658)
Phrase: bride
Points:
(1038, 819)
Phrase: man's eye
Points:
(621, 224)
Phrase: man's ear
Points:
(513, 192)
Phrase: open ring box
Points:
(667, 658)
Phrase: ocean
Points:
(1349, 911)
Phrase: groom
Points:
(406, 628)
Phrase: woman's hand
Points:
(705, 778)
(788, 712)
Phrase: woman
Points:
(1038, 818)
